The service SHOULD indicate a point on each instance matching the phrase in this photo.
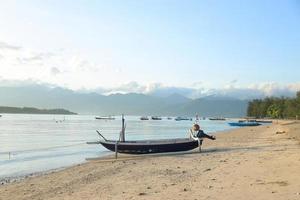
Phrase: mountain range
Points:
(130, 104)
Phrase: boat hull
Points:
(156, 118)
(264, 121)
(244, 124)
(151, 146)
(105, 118)
(183, 119)
(217, 119)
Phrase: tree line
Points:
(30, 110)
(274, 107)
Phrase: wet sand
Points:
(248, 163)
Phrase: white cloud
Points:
(73, 70)
(54, 71)
(6, 46)
(253, 91)
(158, 89)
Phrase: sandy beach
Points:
(248, 163)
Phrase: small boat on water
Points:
(183, 119)
(155, 118)
(244, 123)
(144, 118)
(105, 118)
(148, 146)
(217, 118)
(264, 121)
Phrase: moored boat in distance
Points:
(144, 118)
(155, 118)
(264, 121)
(183, 119)
(244, 123)
(217, 118)
(105, 118)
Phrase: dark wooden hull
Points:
(151, 146)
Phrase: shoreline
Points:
(16, 179)
(108, 155)
(248, 163)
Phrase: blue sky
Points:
(184, 44)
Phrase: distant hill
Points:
(216, 107)
(176, 99)
(115, 104)
(29, 110)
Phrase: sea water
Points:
(37, 143)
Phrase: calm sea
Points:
(36, 143)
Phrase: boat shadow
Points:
(213, 150)
(206, 151)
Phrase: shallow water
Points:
(36, 143)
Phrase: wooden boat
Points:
(149, 146)
(105, 118)
(144, 118)
(183, 119)
(155, 118)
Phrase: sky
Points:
(153, 45)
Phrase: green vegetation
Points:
(29, 110)
(275, 107)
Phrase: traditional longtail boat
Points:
(149, 146)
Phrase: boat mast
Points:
(122, 137)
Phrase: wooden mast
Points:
(122, 138)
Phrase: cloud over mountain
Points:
(159, 90)
(250, 92)
(70, 69)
